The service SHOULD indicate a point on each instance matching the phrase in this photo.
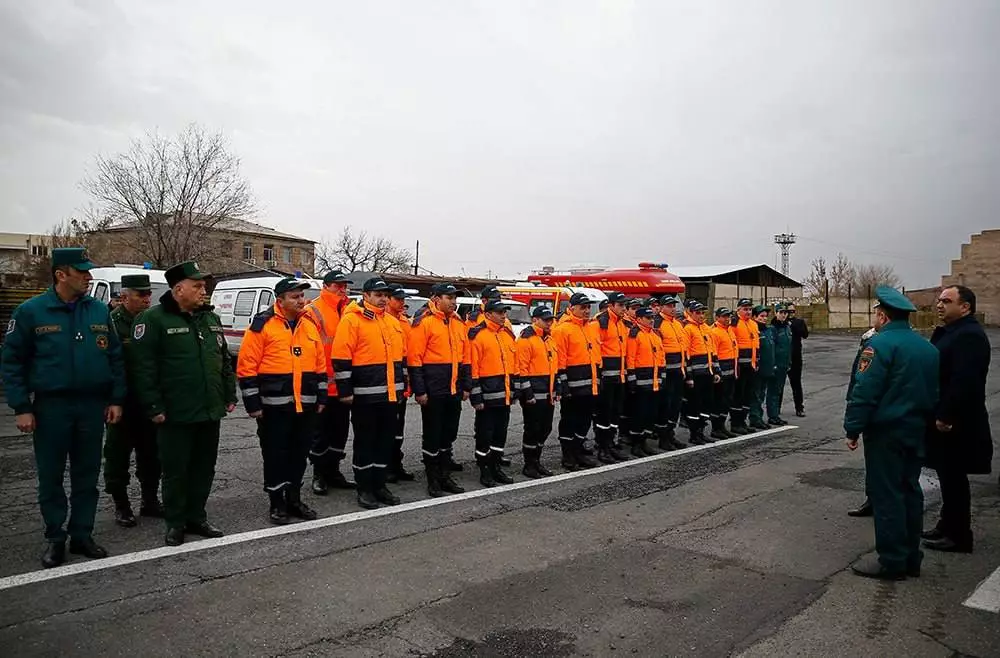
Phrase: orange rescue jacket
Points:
(493, 360)
(579, 356)
(699, 348)
(368, 355)
(674, 340)
(611, 332)
(326, 311)
(644, 358)
(724, 346)
(538, 366)
(748, 341)
(436, 354)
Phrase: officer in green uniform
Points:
(782, 333)
(891, 403)
(135, 431)
(765, 368)
(866, 507)
(184, 381)
(62, 368)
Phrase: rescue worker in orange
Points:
(644, 360)
(724, 346)
(674, 341)
(330, 441)
(610, 333)
(368, 362)
(440, 377)
(632, 305)
(538, 365)
(475, 316)
(699, 372)
(579, 356)
(748, 343)
(396, 309)
(282, 375)
(493, 361)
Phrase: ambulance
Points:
(106, 283)
(237, 301)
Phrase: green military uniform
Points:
(135, 431)
(782, 333)
(63, 363)
(894, 395)
(183, 371)
(765, 371)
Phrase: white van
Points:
(107, 281)
(519, 315)
(237, 301)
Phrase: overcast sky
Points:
(508, 135)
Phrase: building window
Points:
(286, 254)
(247, 251)
(39, 250)
(269, 252)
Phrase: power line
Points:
(871, 252)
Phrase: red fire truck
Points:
(647, 280)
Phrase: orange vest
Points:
(674, 341)
(368, 355)
(493, 359)
(436, 353)
(747, 340)
(644, 358)
(579, 356)
(611, 332)
(538, 365)
(724, 347)
(699, 348)
(326, 311)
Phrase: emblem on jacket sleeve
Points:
(139, 331)
(102, 341)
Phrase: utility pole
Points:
(784, 242)
(416, 260)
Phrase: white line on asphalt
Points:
(987, 594)
(242, 537)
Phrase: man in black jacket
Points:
(800, 331)
(959, 441)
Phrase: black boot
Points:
(582, 458)
(647, 448)
(319, 485)
(450, 465)
(718, 429)
(174, 537)
(151, 506)
(335, 479)
(296, 508)
(279, 509)
(568, 456)
(498, 472)
(604, 454)
(619, 451)
(87, 547)
(54, 555)
(637, 442)
(124, 516)
(434, 489)
(386, 497)
(672, 435)
(367, 499)
(697, 434)
(544, 472)
(729, 433)
(446, 482)
(531, 464)
(486, 476)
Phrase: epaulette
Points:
(369, 314)
(603, 320)
(474, 331)
(657, 322)
(634, 331)
(527, 332)
(260, 320)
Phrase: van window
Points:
(312, 293)
(102, 293)
(266, 299)
(244, 303)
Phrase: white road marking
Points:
(987, 595)
(304, 526)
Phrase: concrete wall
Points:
(726, 294)
(979, 268)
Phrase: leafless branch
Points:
(354, 251)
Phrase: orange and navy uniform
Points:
(644, 358)
(436, 353)
(538, 365)
(579, 356)
(368, 355)
(326, 311)
(698, 348)
(724, 346)
(493, 362)
(747, 341)
(282, 363)
(403, 325)
(611, 332)
(674, 340)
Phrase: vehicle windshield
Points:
(519, 314)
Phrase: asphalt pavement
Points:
(735, 549)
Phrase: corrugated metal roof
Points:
(710, 271)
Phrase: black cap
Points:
(645, 312)
(723, 311)
(746, 301)
(617, 298)
(691, 303)
(542, 313)
(649, 301)
(579, 299)
(669, 299)
(443, 289)
(396, 290)
(335, 276)
(490, 292)
(375, 284)
(495, 306)
(634, 302)
(288, 284)
(696, 306)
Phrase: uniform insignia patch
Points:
(222, 341)
(867, 355)
(48, 329)
(139, 331)
(11, 325)
(297, 351)
(102, 341)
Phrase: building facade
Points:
(978, 267)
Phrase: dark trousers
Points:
(610, 403)
(670, 396)
(68, 428)
(743, 394)
(491, 433)
(575, 415)
(188, 452)
(776, 393)
(285, 437)
(134, 432)
(537, 425)
(956, 512)
(330, 438)
(626, 419)
(699, 401)
(795, 379)
(892, 480)
(374, 432)
(722, 399)
(440, 416)
(397, 454)
(644, 411)
(759, 399)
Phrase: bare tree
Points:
(841, 276)
(164, 199)
(68, 233)
(354, 251)
(815, 283)
(867, 277)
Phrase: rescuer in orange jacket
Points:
(674, 340)
(644, 360)
(327, 450)
(611, 332)
(700, 374)
(538, 365)
(632, 305)
(724, 346)
(396, 309)
(437, 357)
(579, 357)
(282, 375)
(493, 361)
(748, 342)
(368, 364)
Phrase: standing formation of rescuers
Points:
(161, 379)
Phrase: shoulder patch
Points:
(603, 320)
(260, 320)
(866, 358)
(138, 331)
(10, 325)
(633, 332)
(527, 332)
(417, 318)
(474, 331)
